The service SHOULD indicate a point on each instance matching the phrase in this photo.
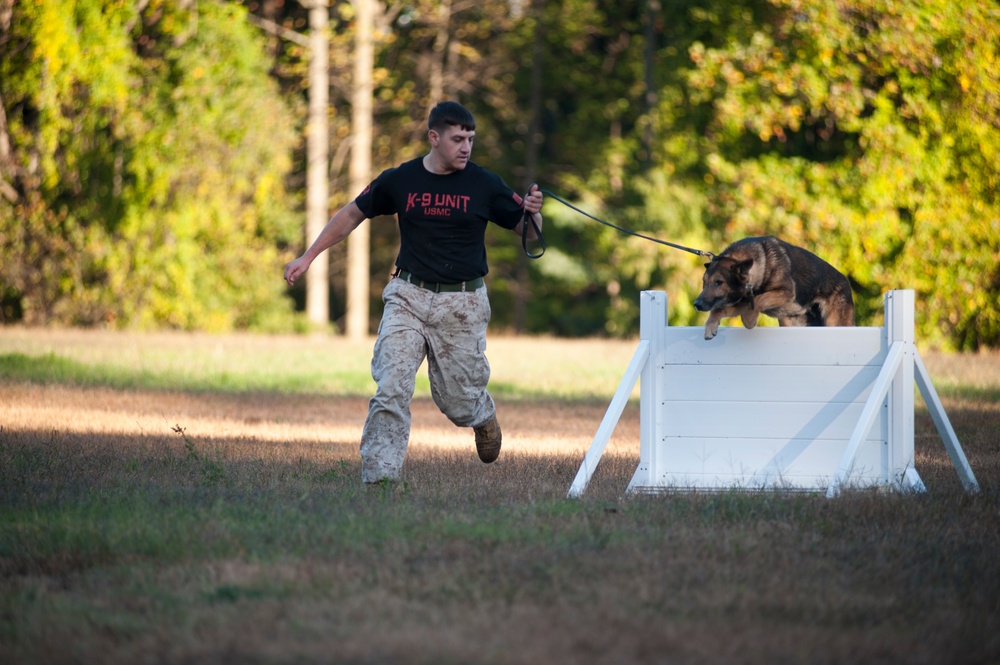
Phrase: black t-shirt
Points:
(442, 218)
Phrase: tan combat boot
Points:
(488, 438)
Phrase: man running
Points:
(436, 306)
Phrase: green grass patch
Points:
(50, 368)
(967, 392)
(240, 364)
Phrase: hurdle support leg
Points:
(652, 320)
(652, 328)
(944, 428)
(894, 388)
(880, 390)
(610, 421)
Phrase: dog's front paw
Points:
(711, 330)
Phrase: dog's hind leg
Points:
(841, 314)
(815, 316)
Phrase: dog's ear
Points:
(741, 269)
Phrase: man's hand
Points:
(296, 269)
(533, 201)
(532, 204)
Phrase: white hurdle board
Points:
(776, 408)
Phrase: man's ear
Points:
(433, 137)
(741, 269)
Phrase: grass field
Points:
(176, 498)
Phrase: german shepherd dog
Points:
(767, 275)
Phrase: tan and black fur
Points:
(766, 275)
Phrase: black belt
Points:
(441, 287)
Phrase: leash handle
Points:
(527, 217)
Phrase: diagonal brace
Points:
(611, 417)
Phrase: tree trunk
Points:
(439, 56)
(317, 169)
(359, 242)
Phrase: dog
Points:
(765, 275)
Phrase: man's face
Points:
(453, 147)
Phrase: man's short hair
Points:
(451, 114)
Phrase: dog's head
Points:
(724, 283)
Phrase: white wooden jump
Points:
(776, 408)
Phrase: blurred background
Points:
(161, 160)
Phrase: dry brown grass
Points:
(160, 527)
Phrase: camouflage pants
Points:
(449, 330)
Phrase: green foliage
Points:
(865, 132)
(151, 154)
(211, 154)
(65, 76)
(150, 149)
(855, 129)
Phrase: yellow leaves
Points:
(379, 75)
(55, 43)
(268, 186)
(731, 74)
(697, 53)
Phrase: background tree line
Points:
(152, 160)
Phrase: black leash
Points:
(524, 234)
(538, 232)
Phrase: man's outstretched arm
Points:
(339, 227)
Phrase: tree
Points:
(317, 161)
(145, 193)
(359, 244)
(868, 131)
(134, 188)
(57, 149)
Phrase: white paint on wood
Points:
(611, 418)
(789, 408)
